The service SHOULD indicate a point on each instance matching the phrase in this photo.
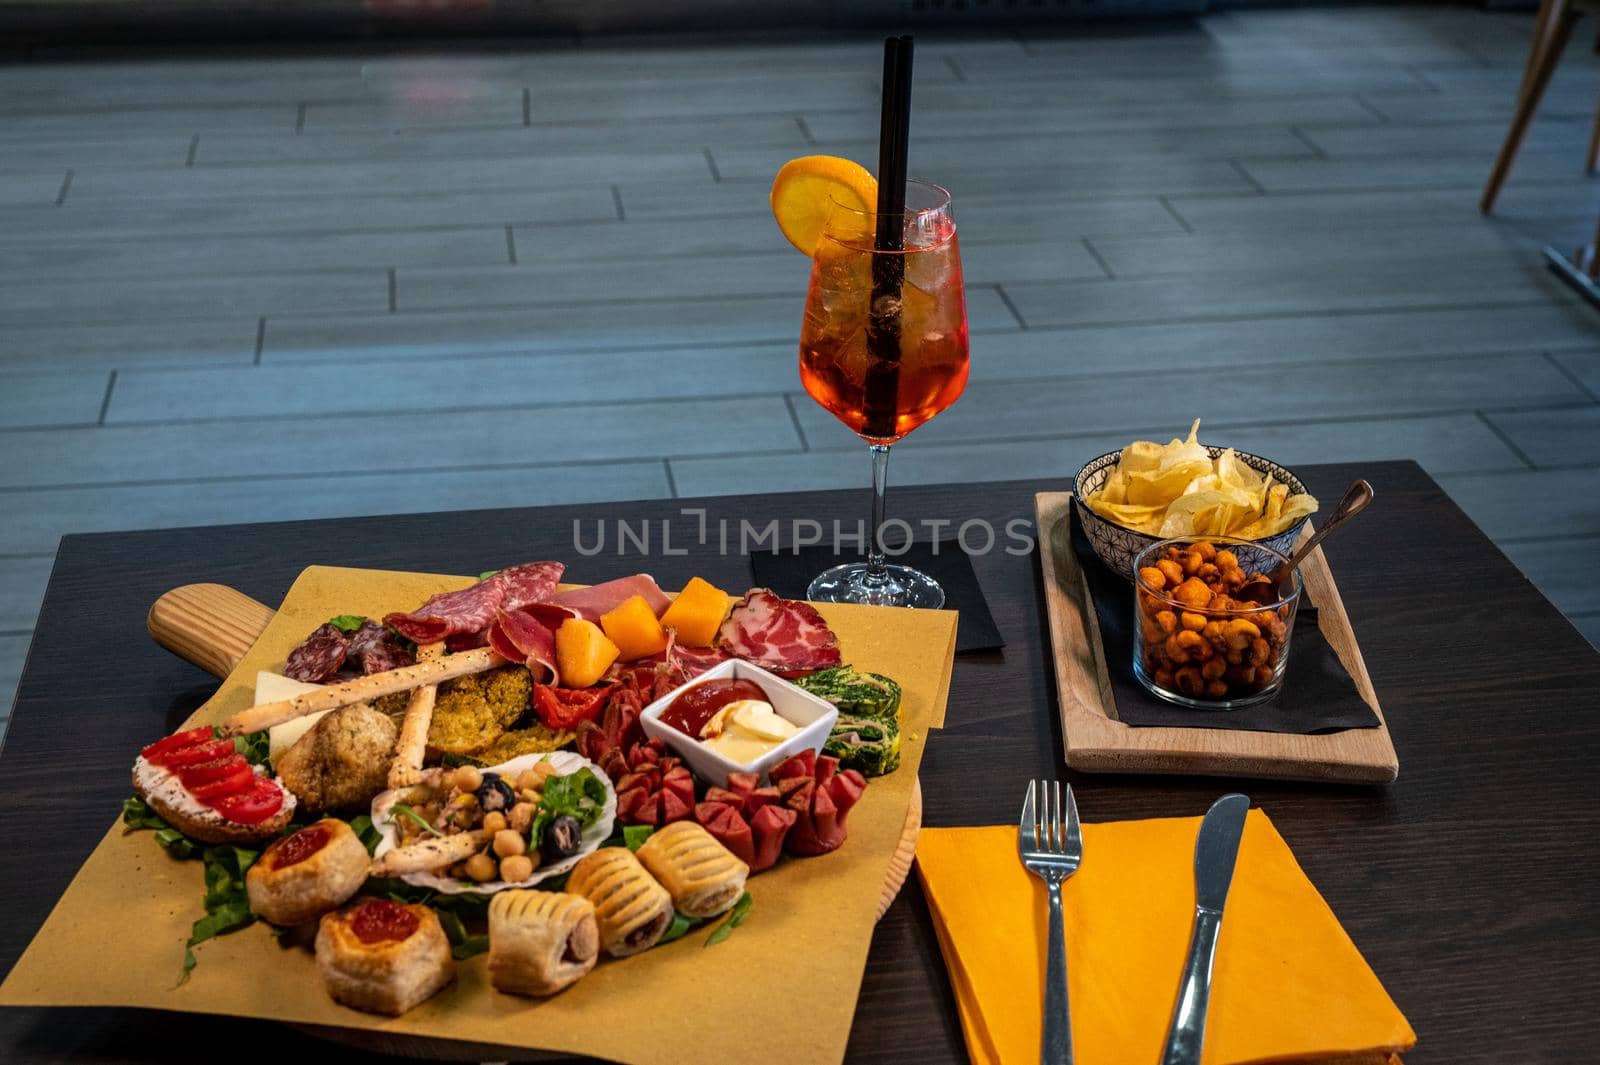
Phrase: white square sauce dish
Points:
(813, 719)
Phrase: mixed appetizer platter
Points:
(546, 775)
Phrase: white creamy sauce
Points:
(746, 729)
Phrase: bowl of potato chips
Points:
(1127, 500)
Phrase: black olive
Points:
(495, 794)
(562, 838)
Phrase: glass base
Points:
(902, 586)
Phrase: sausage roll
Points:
(702, 876)
(540, 941)
(633, 911)
(308, 873)
(383, 956)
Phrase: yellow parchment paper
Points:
(781, 989)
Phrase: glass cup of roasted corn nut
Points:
(1194, 643)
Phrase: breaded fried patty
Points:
(472, 712)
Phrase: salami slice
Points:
(377, 649)
(783, 635)
(519, 636)
(318, 657)
(472, 609)
(589, 603)
(531, 582)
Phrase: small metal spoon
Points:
(1267, 589)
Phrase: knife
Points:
(1214, 854)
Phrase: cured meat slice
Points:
(377, 649)
(591, 602)
(319, 656)
(473, 609)
(531, 582)
(783, 635)
(520, 637)
(674, 666)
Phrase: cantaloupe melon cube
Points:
(583, 653)
(697, 613)
(634, 628)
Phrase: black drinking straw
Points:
(888, 270)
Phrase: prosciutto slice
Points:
(520, 636)
(472, 609)
(783, 635)
(589, 603)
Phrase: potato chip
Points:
(1178, 489)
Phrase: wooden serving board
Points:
(1096, 742)
(213, 626)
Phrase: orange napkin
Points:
(1289, 985)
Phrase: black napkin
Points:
(1317, 694)
(789, 573)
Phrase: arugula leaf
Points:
(421, 822)
(579, 795)
(347, 623)
(177, 844)
(736, 917)
(366, 832)
(486, 574)
(227, 905)
(470, 947)
(136, 814)
(455, 761)
(633, 836)
(679, 928)
(256, 748)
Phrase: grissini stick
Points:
(430, 854)
(406, 769)
(372, 686)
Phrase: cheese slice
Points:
(274, 688)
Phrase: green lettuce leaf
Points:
(347, 623)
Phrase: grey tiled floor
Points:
(546, 273)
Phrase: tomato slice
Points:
(254, 806)
(561, 708)
(223, 777)
(209, 751)
(176, 741)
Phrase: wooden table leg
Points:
(1553, 30)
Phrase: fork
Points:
(1050, 842)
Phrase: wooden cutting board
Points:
(1096, 742)
(213, 626)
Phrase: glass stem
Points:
(877, 570)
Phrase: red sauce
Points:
(689, 712)
(292, 850)
(379, 920)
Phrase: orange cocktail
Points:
(884, 368)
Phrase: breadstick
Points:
(333, 696)
(406, 769)
(435, 852)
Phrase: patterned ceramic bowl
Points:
(1118, 546)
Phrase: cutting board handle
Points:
(210, 625)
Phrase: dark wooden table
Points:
(1470, 884)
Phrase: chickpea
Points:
(467, 778)
(1208, 571)
(508, 843)
(544, 771)
(521, 816)
(1216, 689)
(1167, 621)
(1152, 631)
(482, 868)
(1214, 668)
(494, 821)
(1206, 550)
(517, 868)
(458, 871)
(1163, 678)
(528, 780)
(1153, 577)
(1235, 658)
(1192, 622)
(1259, 652)
(1240, 632)
(1189, 681)
(1226, 560)
(1171, 571)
